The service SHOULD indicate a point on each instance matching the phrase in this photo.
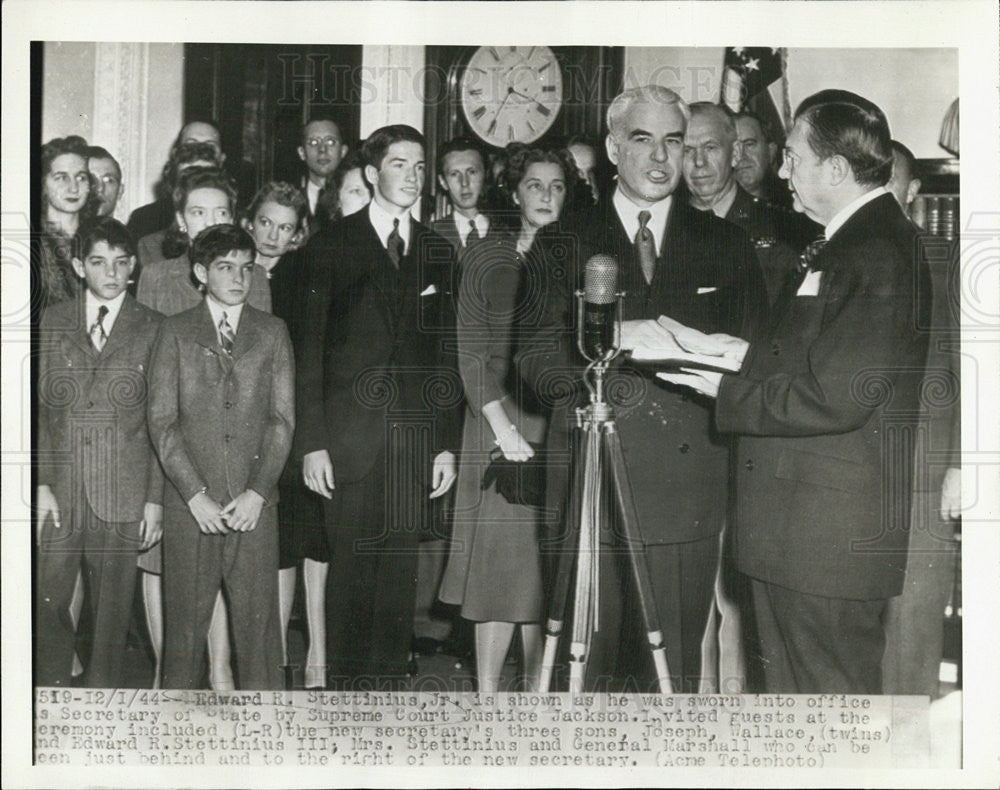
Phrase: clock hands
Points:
(496, 115)
(541, 107)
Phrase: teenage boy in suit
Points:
(378, 404)
(221, 416)
(99, 483)
(825, 406)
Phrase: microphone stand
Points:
(598, 439)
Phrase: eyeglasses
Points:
(322, 142)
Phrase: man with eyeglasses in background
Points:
(321, 150)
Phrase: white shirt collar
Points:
(312, 192)
(628, 213)
(463, 227)
(382, 221)
(114, 308)
(232, 313)
(848, 211)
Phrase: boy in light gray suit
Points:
(221, 415)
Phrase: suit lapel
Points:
(207, 336)
(379, 268)
(78, 334)
(672, 262)
(449, 230)
(248, 333)
(123, 329)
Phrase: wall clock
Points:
(511, 94)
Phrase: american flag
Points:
(753, 79)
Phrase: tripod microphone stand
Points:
(599, 444)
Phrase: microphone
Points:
(600, 307)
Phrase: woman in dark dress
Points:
(494, 569)
(277, 220)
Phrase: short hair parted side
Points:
(461, 143)
(284, 194)
(657, 94)
(179, 139)
(219, 240)
(100, 152)
(185, 154)
(841, 123)
(108, 230)
(909, 158)
(718, 111)
(319, 114)
(765, 129)
(203, 178)
(378, 142)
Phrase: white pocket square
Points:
(706, 290)
(430, 289)
(810, 285)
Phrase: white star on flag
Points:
(738, 50)
(753, 64)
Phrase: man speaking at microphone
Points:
(701, 271)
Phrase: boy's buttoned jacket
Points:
(92, 433)
(222, 422)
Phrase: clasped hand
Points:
(240, 515)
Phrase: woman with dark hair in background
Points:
(68, 202)
(346, 190)
(183, 158)
(494, 570)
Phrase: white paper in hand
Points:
(696, 350)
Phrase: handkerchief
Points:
(810, 285)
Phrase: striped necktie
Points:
(645, 247)
(226, 334)
(98, 336)
(394, 244)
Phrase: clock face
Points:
(511, 94)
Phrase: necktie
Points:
(645, 247)
(394, 244)
(473, 235)
(806, 260)
(97, 334)
(226, 334)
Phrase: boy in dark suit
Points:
(378, 403)
(99, 483)
(221, 416)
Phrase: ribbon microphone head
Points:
(598, 337)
